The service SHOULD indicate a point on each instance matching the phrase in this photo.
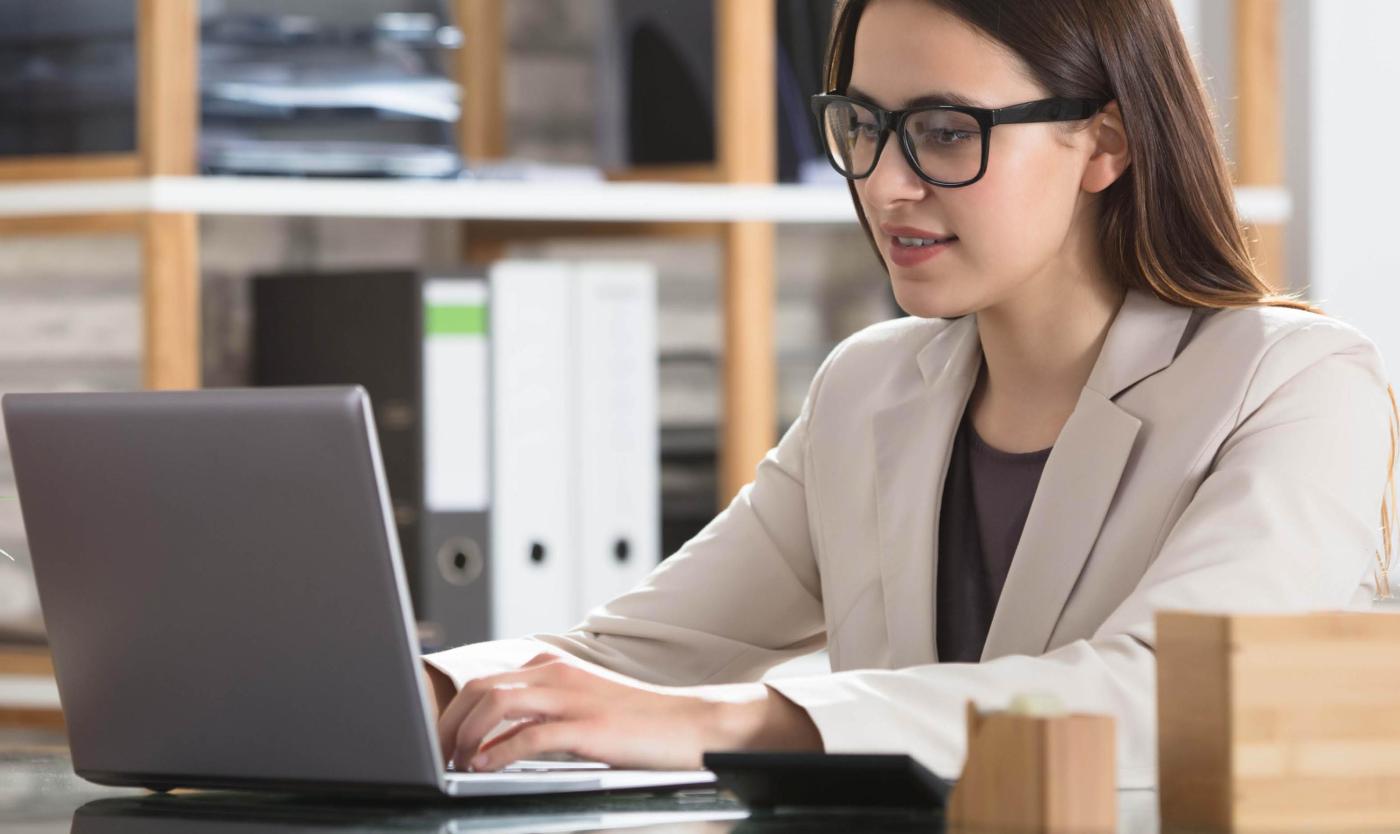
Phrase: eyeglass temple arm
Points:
(1048, 110)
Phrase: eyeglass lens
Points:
(947, 144)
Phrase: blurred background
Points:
(160, 160)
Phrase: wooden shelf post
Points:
(167, 113)
(481, 127)
(1259, 123)
(28, 662)
(170, 306)
(745, 43)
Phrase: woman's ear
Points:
(1110, 157)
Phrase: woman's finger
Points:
(507, 702)
(540, 659)
(533, 740)
(507, 733)
(466, 698)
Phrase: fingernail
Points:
(480, 761)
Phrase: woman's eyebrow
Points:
(920, 101)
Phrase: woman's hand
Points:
(564, 708)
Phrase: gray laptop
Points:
(225, 600)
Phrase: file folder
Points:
(616, 434)
(533, 550)
(517, 414)
(455, 571)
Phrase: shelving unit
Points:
(154, 194)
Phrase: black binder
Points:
(369, 328)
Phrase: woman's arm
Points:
(560, 706)
(740, 597)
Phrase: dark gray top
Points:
(986, 498)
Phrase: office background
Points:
(71, 305)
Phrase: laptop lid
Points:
(222, 588)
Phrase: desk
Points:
(39, 794)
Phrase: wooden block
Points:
(1037, 773)
(1278, 723)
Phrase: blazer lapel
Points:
(1081, 477)
(913, 440)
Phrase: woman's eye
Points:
(944, 137)
(863, 130)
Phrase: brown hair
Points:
(1168, 224)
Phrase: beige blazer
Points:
(1221, 461)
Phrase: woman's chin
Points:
(925, 302)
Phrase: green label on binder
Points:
(456, 320)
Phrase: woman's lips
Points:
(914, 255)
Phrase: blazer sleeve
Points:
(737, 599)
(1287, 520)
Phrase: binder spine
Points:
(617, 469)
(456, 530)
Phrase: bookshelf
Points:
(155, 195)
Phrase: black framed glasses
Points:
(945, 144)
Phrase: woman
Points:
(1085, 329)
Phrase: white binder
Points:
(532, 552)
(617, 467)
(452, 577)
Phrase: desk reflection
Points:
(708, 813)
(39, 794)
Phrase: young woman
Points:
(1096, 409)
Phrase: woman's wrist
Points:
(758, 717)
(440, 688)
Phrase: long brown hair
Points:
(1168, 224)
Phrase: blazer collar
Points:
(913, 443)
(1141, 341)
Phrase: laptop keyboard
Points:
(528, 766)
(539, 766)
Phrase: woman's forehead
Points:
(909, 51)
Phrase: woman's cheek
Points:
(1002, 221)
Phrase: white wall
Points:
(1188, 12)
(1344, 169)
(1208, 27)
(1346, 166)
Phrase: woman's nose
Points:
(893, 180)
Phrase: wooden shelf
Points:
(68, 167)
(32, 661)
(621, 202)
(28, 694)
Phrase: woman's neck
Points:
(1039, 347)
